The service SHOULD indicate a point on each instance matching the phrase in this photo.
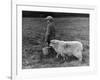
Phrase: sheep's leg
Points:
(64, 58)
(80, 58)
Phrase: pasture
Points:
(67, 28)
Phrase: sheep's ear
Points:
(51, 40)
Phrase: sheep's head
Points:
(54, 43)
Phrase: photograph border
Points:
(14, 71)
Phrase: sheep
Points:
(70, 48)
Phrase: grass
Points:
(68, 29)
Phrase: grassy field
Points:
(69, 29)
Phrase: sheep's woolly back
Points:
(65, 47)
(70, 43)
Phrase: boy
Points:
(50, 30)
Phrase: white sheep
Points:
(67, 48)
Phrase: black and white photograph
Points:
(55, 39)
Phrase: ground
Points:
(67, 28)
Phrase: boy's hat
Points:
(49, 18)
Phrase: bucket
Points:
(45, 50)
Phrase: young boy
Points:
(50, 30)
